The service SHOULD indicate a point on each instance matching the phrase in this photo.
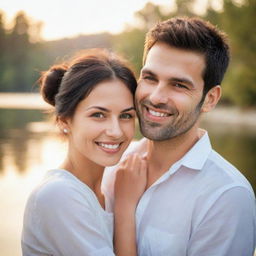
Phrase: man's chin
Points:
(154, 133)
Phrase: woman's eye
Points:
(126, 116)
(98, 115)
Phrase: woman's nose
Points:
(114, 129)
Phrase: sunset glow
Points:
(64, 18)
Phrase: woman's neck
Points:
(84, 169)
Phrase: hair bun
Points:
(50, 82)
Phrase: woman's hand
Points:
(131, 180)
(130, 183)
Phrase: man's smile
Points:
(155, 114)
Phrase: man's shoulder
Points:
(224, 172)
(222, 165)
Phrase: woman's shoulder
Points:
(58, 188)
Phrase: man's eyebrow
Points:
(171, 80)
(147, 71)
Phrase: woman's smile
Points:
(109, 147)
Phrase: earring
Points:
(65, 130)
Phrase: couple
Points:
(171, 194)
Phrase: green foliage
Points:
(240, 25)
(130, 45)
(238, 20)
(149, 16)
(14, 74)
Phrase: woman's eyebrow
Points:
(100, 108)
(128, 109)
(107, 110)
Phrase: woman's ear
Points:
(63, 124)
(211, 99)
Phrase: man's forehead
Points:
(162, 56)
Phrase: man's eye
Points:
(178, 85)
(98, 115)
(126, 116)
(150, 78)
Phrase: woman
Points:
(67, 213)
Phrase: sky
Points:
(68, 18)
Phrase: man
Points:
(195, 203)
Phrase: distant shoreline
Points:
(22, 101)
(220, 115)
(231, 116)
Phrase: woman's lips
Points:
(109, 147)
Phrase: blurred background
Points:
(37, 34)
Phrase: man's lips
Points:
(156, 114)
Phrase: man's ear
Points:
(211, 99)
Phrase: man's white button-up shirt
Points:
(202, 206)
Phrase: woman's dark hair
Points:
(196, 35)
(64, 86)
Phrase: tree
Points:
(130, 42)
(2, 48)
(18, 51)
(16, 72)
(238, 20)
(130, 45)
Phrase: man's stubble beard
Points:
(157, 132)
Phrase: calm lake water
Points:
(29, 145)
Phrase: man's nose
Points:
(159, 94)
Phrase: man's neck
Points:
(162, 155)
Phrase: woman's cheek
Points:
(130, 130)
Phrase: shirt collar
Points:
(196, 157)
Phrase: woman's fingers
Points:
(143, 167)
(131, 163)
(136, 163)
